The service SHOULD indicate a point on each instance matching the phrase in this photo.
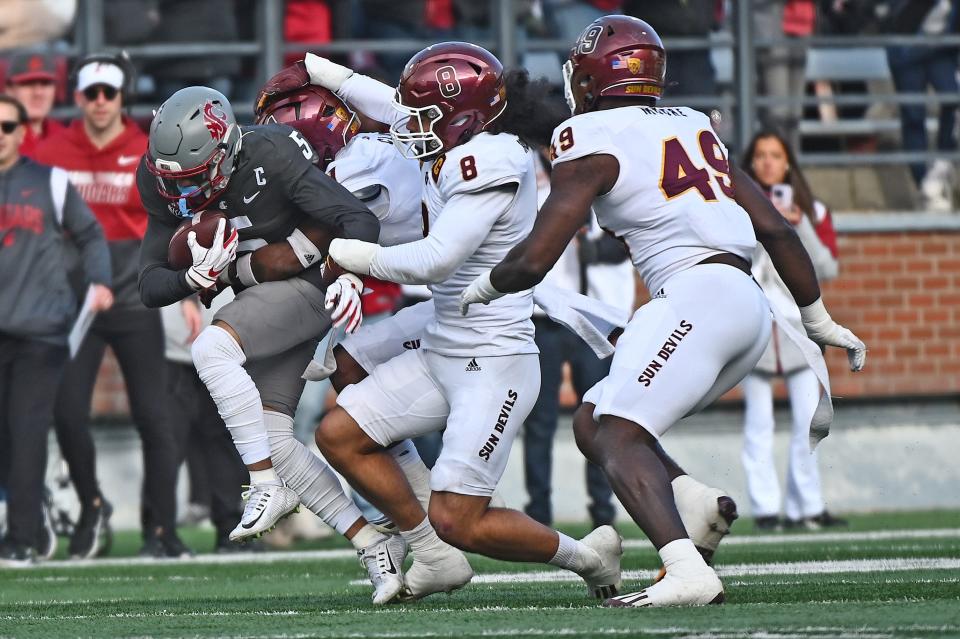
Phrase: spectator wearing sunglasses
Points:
(40, 213)
(31, 80)
(101, 151)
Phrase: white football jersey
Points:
(673, 202)
(502, 327)
(371, 159)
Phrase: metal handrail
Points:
(269, 48)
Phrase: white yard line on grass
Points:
(306, 555)
(822, 537)
(735, 570)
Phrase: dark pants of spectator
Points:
(196, 460)
(558, 345)
(195, 422)
(29, 373)
(136, 338)
(914, 69)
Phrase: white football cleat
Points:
(267, 503)
(700, 589)
(444, 571)
(707, 513)
(604, 580)
(384, 564)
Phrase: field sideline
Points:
(890, 575)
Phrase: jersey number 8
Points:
(679, 174)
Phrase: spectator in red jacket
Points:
(31, 80)
(101, 151)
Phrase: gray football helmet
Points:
(193, 147)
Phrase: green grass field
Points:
(890, 575)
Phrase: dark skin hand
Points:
(576, 183)
(277, 261)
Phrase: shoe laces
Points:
(256, 498)
(376, 560)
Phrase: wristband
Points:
(305, 250)
(245, 270)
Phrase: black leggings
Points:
(29, 370)
(197, 425)
(136, 338)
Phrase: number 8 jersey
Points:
(673, 201)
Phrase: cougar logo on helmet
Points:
(215, 120)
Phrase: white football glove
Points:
(824, 331)
(353, 255)
(208, 263)
(325, 73)
(343, 297)
(480, 290)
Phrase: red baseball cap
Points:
(27, 67)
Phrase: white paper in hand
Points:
(82, 323)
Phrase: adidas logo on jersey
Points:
(473, 366)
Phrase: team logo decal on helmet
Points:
(215, 120)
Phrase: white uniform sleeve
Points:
(459, 230)
(485, 162)
(578, 137)
(371, 97)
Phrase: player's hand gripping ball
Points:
(205, 245)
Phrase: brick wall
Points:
(900, 292)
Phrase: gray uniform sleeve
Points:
(159, 284)
(320, 197)
(86, 233)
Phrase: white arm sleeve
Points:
(460, 228)
(371, 97)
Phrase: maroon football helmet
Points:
(454, 90)
(614, 56)
(324, 119)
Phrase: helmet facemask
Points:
(568, 86)
(424, 142)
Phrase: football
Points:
(204, 224)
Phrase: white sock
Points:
(417, 473)
(366, 537)
(307, 475)
(423, 539)
(267, 476)
(219, 362)
(681, 557)
(573, 555)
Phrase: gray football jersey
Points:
(275, 187)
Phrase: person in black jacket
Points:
(39, 212)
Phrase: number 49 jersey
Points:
(673, 202)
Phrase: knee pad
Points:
(213, 349)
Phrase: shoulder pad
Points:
(483, 162)
(579, 136)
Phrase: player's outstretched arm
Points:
(573, 186)
(459, 230)
(371, 97)
(793, 264)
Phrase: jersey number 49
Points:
(679, 173)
